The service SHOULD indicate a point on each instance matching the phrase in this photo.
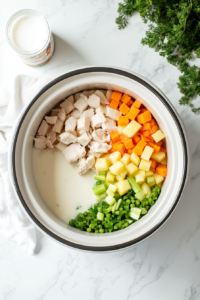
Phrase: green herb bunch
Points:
(174, 32)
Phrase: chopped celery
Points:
(134, 185)
(109, 209)
(135, 213)
(129, 221)
(102, 173)
(99, 189)
(107, 184)
(114, 207)
(100, 197)
(144, 211)
(112, 188)
(100, 177)
(151, 181)
(100, 216)
(110, 200)
(140, 195)
(108, 192)
(118, 204)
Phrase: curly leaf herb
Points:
(174, 32)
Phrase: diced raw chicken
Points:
(91, 160)
(83, 166)
(61, 146)
(95, 154)
(67, 105)
(86, 93)
(40, 142)
(83, 124)
(88, 113)
(43, 129)
(71, 99)
(70, 124)
(58, 126)
(51, 120)
(102, 109)
(109, 125)
(67, 138)
(74, 152)
(113, 113)
(103, 99)
(75, 113)
(49, 130)
(84, 138)
(94, 101)
(81, 104)
(77, 96)
(52, 136)
(99, 147)
(82, 95)
(98, 120)
(104, 92)
(55, 111)
(62, 114)
(49, 144)
(108, 95)
(100, 136)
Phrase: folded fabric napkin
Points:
(13, 222)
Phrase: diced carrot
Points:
(161, 171)
(142, 110)
(114, 104)
(129, 103)
(144, 117)
(137, 104)
(136, 138)
(154, 129)
(155, 147)
(138, 149)
(119, 147)
(120, 103)
(128, 144)
(147, 133)
(125, 98)
(123, 138)
(159, 143)
(153, 123)
(162, 166)
(123, 121)
(124, 109)
(130, 151)
(163, 150)
(146, 126)
(115, 137)
(116, 96)
(145, 138)
(132, 114)
(153, 164)
(118, 142)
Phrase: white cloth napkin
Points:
(13, 222)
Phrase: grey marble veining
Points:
(166, 265)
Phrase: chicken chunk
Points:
(71, 99)
(74, 152)
(88, 113)
(109, 125)
(100, 136)
(103, 99)
(98, 120)
(62, 114)
(86, 93)
(94, 153)
(43, 129)
(83, 166)
(83, 124)
(58, 126)
(67, 138)
(108, 95)
(99, 147)
(91, 160)
(70, 124)
(113, 113)
(51, 120)
(81, 104)
(49, 144)
(40, 142)
(67, 105)
(52, 136)
(75, 113)
(55, 111)
(94, 101)
(61, 146)
(77, 96)
(102, 109)
(84, 138)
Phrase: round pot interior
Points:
(21, 157)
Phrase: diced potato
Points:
(126, 159)
(119, 178)
(131, 129)
(107, 156)
(158, 156)
(158, 178)
(146, 154)
(146, 189)
(164, 161)
(160, 184)
(110, 177)
(131, 168)
(139, 179)
(123, 174)
(145, 165)
(58, 126)
(102, 164)
(116, 184)
(120, 129)
(117, 168)
(115, 156)
(149, 173)
(123, 187)
(158, 136)
(135, 159)
(141, 173)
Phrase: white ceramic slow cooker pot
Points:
(20, 157)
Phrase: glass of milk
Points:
(28, 33)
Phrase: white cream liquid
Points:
(28, 33)
(60, 186)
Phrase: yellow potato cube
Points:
(107, 156)
(131, 168)
(135, 159)
(141, 173)
(116, 184)
(164, 161)
(123, 174)
(123, 187)
(117, 168)
(115, 156)
(146, 154)
(139, 179)
(146, 189)
(158, 156)
(120, 129)
(110, 177)
(149, 173)
(119, 178)
(158, 136)
(145, 165)
(131, 129)
(102, 164)
(158, 178)
(125, 159)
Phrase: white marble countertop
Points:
(166, 265)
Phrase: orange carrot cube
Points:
(114, 104)
(132, 114)
(123, 121)
(115, 137)
(129, 144)
(129, 103)
(124, 109)
(137, 104)
(144, 117)
(125, 98)
(116, 96)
